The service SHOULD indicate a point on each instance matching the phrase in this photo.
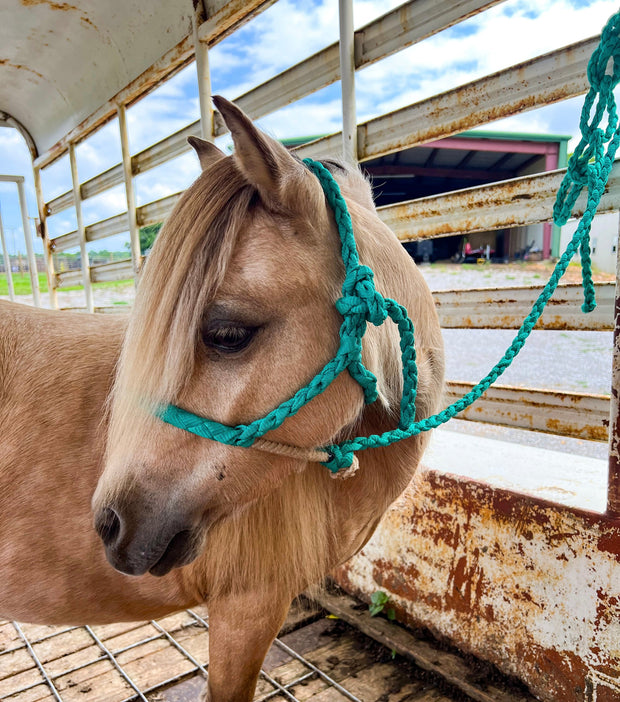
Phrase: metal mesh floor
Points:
(122, 662)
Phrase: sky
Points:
(286, 33)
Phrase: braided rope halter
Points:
(361, 303)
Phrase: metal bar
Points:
(579, 415)
(613, 484)
(117, 270)
(505, 308)
(115, 663)
(203, 75)
(134, 229)
(7, 262)
(541, 81)
(38, 663)
(88, 291)
(347, 81)
(32, 262)
(70, 278)
(47, 252)
(510, 203)
(157, 211)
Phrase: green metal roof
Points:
(513, 136)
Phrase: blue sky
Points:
(287, 32)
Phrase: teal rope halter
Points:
(361, 303)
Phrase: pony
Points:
(109, 514)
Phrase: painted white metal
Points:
(506, 308)
(580, 415)
(224, 16)
(203, 75)
(68, 58)
(7, 262)
(32, 263)
(117, 270)
(85, 272)
(134, 229)
(49, 259)
(347, 81)
(546, 79)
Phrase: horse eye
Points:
(228, 337)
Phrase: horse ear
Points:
(263, 160)
(207, 152)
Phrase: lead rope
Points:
(589, 168)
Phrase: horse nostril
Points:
(108, 525)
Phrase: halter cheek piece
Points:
(360, 303)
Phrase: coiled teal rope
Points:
(362, 303)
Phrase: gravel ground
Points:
(558, 360)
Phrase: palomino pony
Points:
(234, 313)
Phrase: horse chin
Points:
(182, 550)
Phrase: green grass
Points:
(21, 283)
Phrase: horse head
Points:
(235, 311)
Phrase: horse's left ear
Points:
(266, 164)
(207, 152)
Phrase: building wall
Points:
(603, 237)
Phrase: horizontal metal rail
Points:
(410, 23)
(509, 203)
(506, 308)
(578, 415)
(541, 81)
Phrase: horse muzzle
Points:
(155, 545)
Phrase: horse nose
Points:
(108, 525)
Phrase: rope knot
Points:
(360, 297)
(342, 463)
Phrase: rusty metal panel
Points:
(579, 415)
(528, 585)
(506, 308)
(509, 203)
(546, 79)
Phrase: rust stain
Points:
(60, 7)
(21, 67)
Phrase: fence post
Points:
(347, 81)
(32, 262)
(77, 199)
(613, 485)
(47, 251)
(7, 262)
(134, 229)
(203, 72)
